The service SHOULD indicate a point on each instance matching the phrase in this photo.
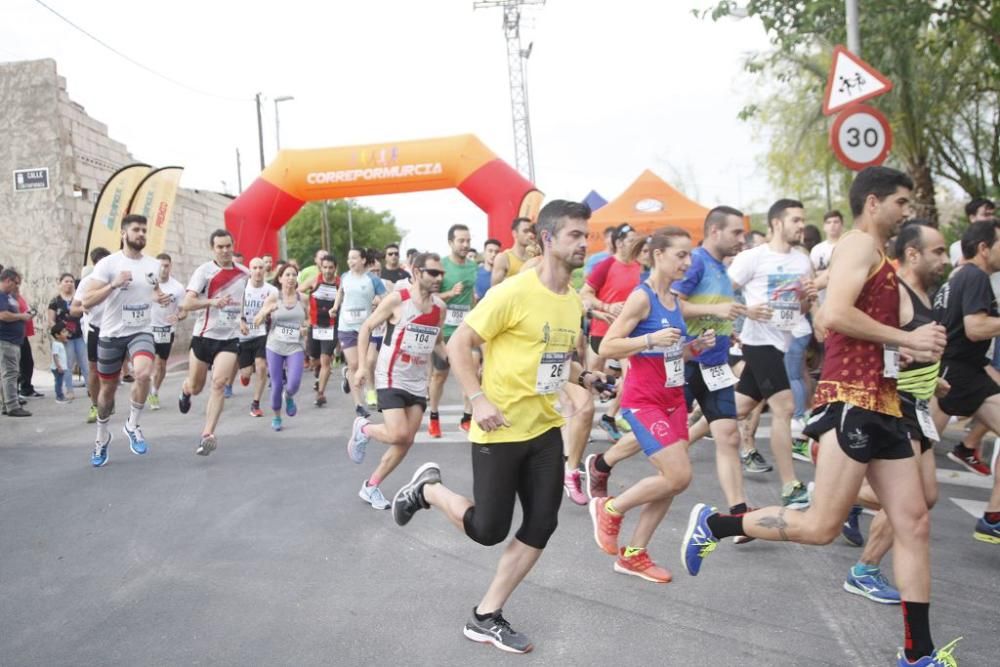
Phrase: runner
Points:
(857, 422)
(322, 294)
(967, 307)
(457, 292)
(127, 284)
(359, 292)
(509, 262)
(775, 279)
(217, 288)
(391, 270)
(650, 331)
(529, 325)
(91, 321)
(252, 354)
(285, 351)
(416, 316)
(165, 319)
(484, 275)
(374, 268)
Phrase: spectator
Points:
(76, 346)
(12, 324)
(27, 388)
(976, 210)
(60, 365)
(490, 250)
(392, 271)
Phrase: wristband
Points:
(649, 341)
(475, 396)
(580, 381)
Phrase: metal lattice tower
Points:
(516, 65)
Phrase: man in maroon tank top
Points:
(857, 418)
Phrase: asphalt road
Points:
(263, 554)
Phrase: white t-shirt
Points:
(211, 281)
(253, 301)
(820, 256)
(770, 277)
(162, 314)
(955, 253)
(128, 309)
(94, 315)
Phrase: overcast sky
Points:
(615, 87)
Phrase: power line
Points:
(139, 64)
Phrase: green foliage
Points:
(372, 229)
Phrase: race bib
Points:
(890, 360)
(135, 316)
(783, 298)
(553, 372)
(255, 331)
(230, 315)
(322, 333)
(784, 314)
(673, 361)
(354, 317)
(925, 421)
(419, 341)
(455, 314)
(162, 334)
(718, 377)
(286, 334)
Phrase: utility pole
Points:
(853, 27)
(517, 59)
(326, 227)
(239, 171)
(260, 133)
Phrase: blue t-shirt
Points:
(707, 282)
(483, 281)
(11, 332)
(359, 292)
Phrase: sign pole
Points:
(853, 27)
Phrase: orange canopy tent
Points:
(650, 203)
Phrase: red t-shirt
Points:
(29, 326)
(612, 281)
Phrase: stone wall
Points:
(44, 232)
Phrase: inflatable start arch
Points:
(299, 176)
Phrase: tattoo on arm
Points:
(776, 522)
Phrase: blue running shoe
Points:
(942, 658)
(276, 423)
(872, 584)
(698, 541)
(358, 441)
(851, 530)
(100, 455)
(611, 429)
(136, 442)
(986, 531)
(290, 407)
(228, 391)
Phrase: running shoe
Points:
(362, 411)
(100, 455)
(574, 490)
(358, 441)
(641, 565)
(136, 442)
(92, 415)
(372, 398)
(871, 584)
(800, 450)
(410, 497)
(373, 496)
(228, 391)
(970, 461)
(63, 400)
(255, 410)
(794, 496)
(465, 424)
(245, 380)
(754, 462)
(942, 658)
(276, 423)
(623, 426)
(290, 408)
(611, 429)
(184, 403)
(597, 481)
(798, 425)
(345, 385)
(320, 400)
(434, 428)
(986, 531)
(128, 377)
(154, 402)
(497, 631)
(698, 541)
(207, 445)
(851, 530)
(606, 525)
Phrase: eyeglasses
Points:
(433, 273)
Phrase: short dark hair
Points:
(878, 181)
(328, 258)
(490, 242)
(756, 232)
(67, 274)
(133, 217)
(57, 329)
(911, 235)
(164, 256)
(517, 222)
(983, 231)
(976, 204)
(459, 227)
(391, 245)
(778, 208)
(99, 253)
(811, 236)
(218, 233)
(10, 273)
(420, 261)
(556, 212)
(718, 216)
(833, 213)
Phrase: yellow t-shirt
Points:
(514, 263)
(531, 333)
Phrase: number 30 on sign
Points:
(861, 137)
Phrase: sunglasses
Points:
(392, 254)
(433, 273)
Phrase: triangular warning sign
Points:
(851, 80)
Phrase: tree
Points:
(372, 229)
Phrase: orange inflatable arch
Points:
(299, 176)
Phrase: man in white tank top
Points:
(415, 317)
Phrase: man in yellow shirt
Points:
(530, 324)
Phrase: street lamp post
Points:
(282, 237)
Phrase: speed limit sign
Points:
(861, 137)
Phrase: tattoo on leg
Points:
(776, 522)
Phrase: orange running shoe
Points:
(434, 428)
(641, 565)
(606, 526)
(465, 424)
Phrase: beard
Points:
(136, 245)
